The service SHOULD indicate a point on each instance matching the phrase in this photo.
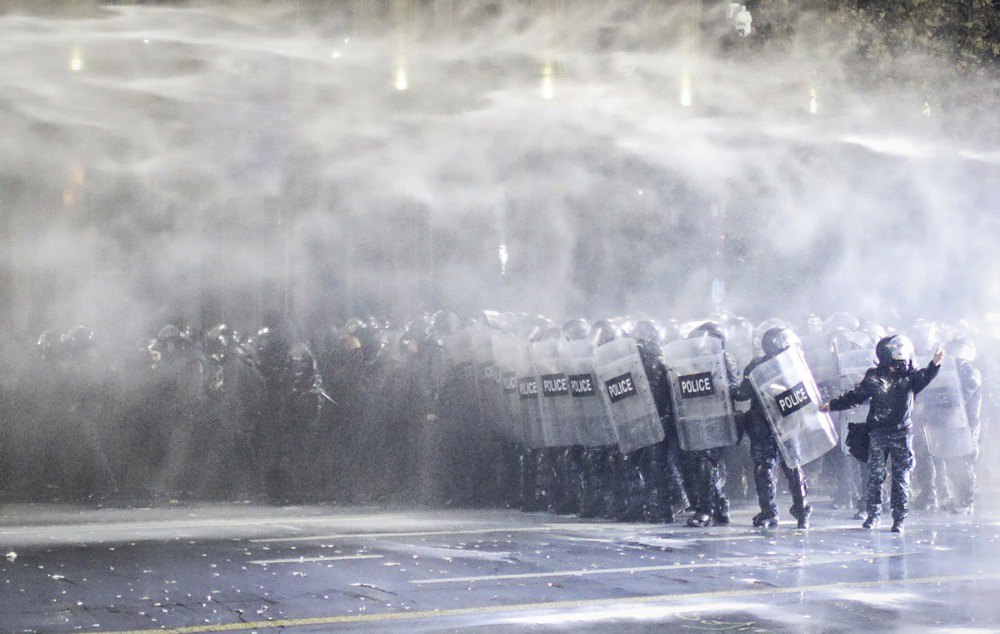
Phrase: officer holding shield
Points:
(764, 444)
(710, 501)
(891, 386)
(963, 468)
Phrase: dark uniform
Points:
(963, 470)
(764, 447)
(181, 393)
(657, 465)
(605, 481)
(708, 471)
(236, 392)
(892, 387)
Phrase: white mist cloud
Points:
(150, 155)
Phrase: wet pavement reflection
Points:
(205, 568)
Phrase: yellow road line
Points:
(725, 562)
(554, 605)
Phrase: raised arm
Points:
(922, 378)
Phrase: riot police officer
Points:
(603, 483)
(182, 379)
(764, 446)
(588, 464)
(963, 469)
(420, 470)
(710, 501)
(928, 469)
(236, 391)
(658, 464)
(297, 469)
(854, 351)
(891, 386)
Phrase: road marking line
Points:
(728, 562)
(642, 530)
(694, 536)
(8, 531)
(638, 539)
(556, 605)
(305, 560)
(471, 531)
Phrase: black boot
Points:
(765, 519)
(927, 500)
(542, 493)
(800, 509)
(636, 493)
(525, 482)
(721, 511)
(589, 486)
(802, 515)
(764, 483)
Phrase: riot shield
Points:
(699, 392)
(461, 355)
(940, 411)
(507, 352)
(627, 394)
(852, 366)
(459, 348)
(826, 373)
(528, 398)
(790, 398)
(487, 378)
(555, 401)
(590, 412)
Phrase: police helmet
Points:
(218, 340)
(80, 338)
(814, 324)
(853, 340)
(670, 330)
(763, 327)
(353, 325)
(777, 340)
(576, 329)
(840, 321)
(895, 351)
(604, 332)
(646, 332)
(708, 329)
(874, 329)
(961, 348)
(445, 323)
(51, 343)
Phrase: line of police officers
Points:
(618, 419)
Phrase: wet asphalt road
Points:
(316, 569)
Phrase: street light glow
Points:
(686, 96)
(76, 60)
(401, 83)
(503, 259)
(548, 84)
